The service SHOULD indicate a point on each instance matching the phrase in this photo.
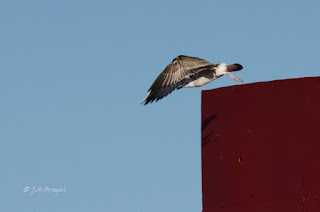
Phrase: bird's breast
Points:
(199, 82)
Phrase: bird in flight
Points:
(184, 72)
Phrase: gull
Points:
(185, 72)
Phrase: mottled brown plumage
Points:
(185, 71)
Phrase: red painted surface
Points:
(261, 147)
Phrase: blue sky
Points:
(73, 74)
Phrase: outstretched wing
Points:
(175, 75)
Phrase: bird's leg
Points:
(232, 77)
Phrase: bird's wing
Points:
(174, 75)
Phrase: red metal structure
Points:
(261, 147)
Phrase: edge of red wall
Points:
(261, 146)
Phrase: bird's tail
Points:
(234, 67)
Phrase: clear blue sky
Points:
(73, 74)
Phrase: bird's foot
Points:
(237, 79)
(232, 77)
